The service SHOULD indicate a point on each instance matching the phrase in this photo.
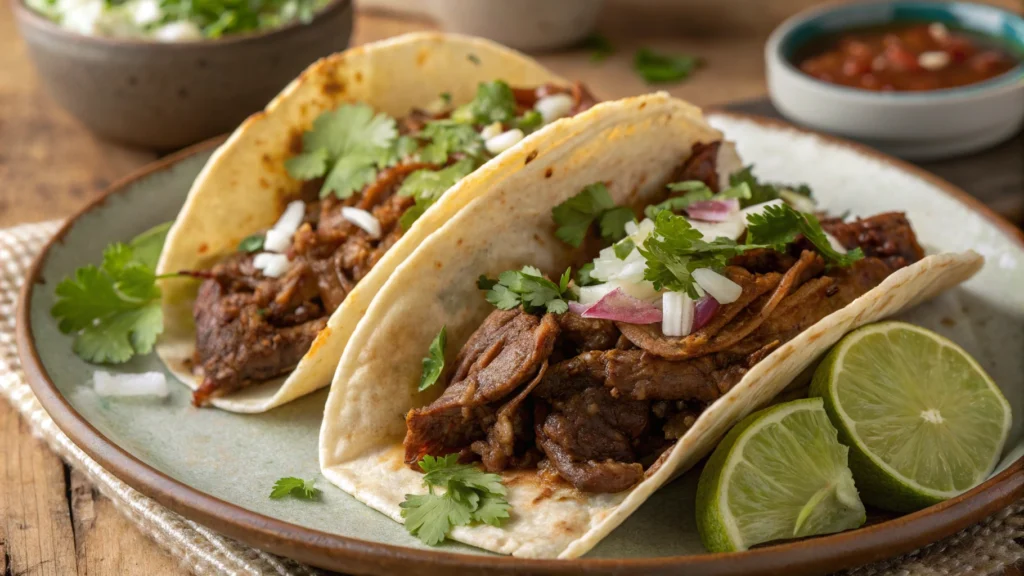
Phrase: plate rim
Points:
(333, 551)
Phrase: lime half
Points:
(922, 419)
(780, 473)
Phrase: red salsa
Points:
(904, 57)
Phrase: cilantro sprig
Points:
(674, 249)
(600, 47)
(657, 68)
(593, 203)
(530, 289)
(470, 496)
(113, 310)
(695, 191)
(494, 102)
(761, 192)
(433, 362)
(446, 137)
(780, 225)
(302, 489)
(427, 186)
(348, 145)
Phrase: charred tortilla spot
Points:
(264, 183)
(358, 77)
(642, 105)
(267, 161)
(295, 142)
(438, 264)
(421, 57)
(203, 248)
(549, 172)
(333, 87)
(530, 157)
(458, 242)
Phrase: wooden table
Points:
(51, 522)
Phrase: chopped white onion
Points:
(642, 290)
(759, 208)
(279, 238)
(836, 244)
(553, 107)
(503, 141)
(180, 31)
(144, 384)
(677, 314)
(727, 163)
(491, 130)
(933, 60)
(732, 228)
(145, 12)
(272, 265)
(363, 219)
(719, 287)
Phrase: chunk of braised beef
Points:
(702, 164)
(505, 352)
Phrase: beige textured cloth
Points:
(983, 549)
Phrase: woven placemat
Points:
(985, 548)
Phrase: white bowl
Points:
(913, 125)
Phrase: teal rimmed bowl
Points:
(914, 125)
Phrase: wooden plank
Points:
(50, 165)
(106, 543)
(35, 519)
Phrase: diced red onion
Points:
(719, 287)
(578, 308)
(678, 314)
(714, 210)
(621, 307)
(704, 310)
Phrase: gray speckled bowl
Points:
(168, 95)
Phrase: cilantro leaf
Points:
(402, 148)
(253, 243)
(528, 288)
(348, 144)
(297, 487)
(308, 165)
(613, 222)
(780, 225)
(760, 192)
(530, 120)
(623, 249)
(447, 137)
(494, 102)
(349, 175)
(655, 68)
(575, 215)
(427, 187)
(430, 517)
(471, 495)
(583, 277)
(433, 363)
(600, 47)
(113, 310)
(674, 249)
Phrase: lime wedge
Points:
(922, 419)
(780, 473)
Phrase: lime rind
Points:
(927, 427)
(780, 473)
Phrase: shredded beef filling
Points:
(600, 402)
(251, 328)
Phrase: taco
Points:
(535, 413)
(300, 217)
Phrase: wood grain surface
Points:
(51, 521)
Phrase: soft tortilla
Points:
(244, 187)
(632, 145)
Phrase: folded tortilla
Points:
(244, 187)
(632, 146)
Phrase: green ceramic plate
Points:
(217, 468)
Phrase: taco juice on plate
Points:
(705, 293)
(323, 193)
